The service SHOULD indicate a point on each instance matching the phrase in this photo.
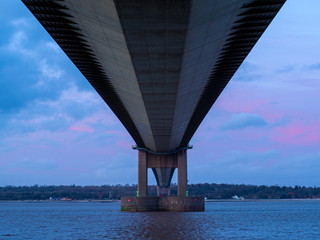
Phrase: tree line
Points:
(105, 192)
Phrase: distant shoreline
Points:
(208, 200)
(55, 201)
(263, 200)
(211, 191)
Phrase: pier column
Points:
(142, 173)
(182, 173)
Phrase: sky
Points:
(263, 129)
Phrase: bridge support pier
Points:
(182, 173)
(142, 173)
(163, 167)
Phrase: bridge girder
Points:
(159, 65)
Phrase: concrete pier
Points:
(182, 173)
(163, 167)
(155, 204)
(142, 173)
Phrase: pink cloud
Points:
(297, 133)
(81, 129)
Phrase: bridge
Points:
(159, 65)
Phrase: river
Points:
(103, 220)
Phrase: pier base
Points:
(155, 204)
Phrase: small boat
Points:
(66, 199)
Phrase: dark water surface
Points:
(221, 220)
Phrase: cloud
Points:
(82, 129)
(312, 67)
(26, 73)
(73, 109)
(54, 46)
(297, 133)
(43, 94)
(45, 103)
(50, 71)
(20, 22)
(247, 72)
(243, 120)
(286, 69)
(16, 44)
(281, 122)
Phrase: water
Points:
(221, 220)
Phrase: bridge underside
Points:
(159, 65)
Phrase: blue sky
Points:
(264, 128)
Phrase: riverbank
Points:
(208, 190)
(262, 200)
(58, 201)
(207, 200)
